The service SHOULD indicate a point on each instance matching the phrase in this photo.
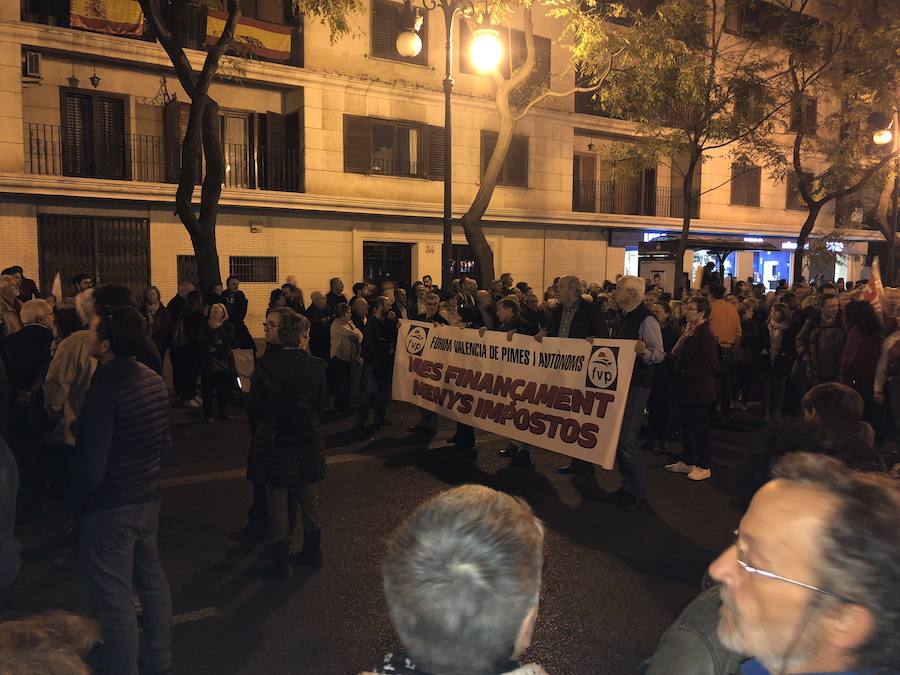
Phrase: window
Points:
(393, 148)
(94, 134)
(254, 269)
(748, 102)
(804, 115)
(387, 25)
(187, 269)
(514, 50)
(794, 200)
(745, 182)
(742, 17)
(514, 172)
(111, 250)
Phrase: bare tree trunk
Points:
(802, 238)
(202, 134)
(687, 190)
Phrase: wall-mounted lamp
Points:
(95, 79)
(72, 80)
(591, 147)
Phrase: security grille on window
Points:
(804, 115)
(254, 269)
(111, 250)
(742, 17)
(393, 148)
(386, 27)
(745, 183)
(514, 172)
(187, 269)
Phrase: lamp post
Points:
(486, 51)
(884, 132)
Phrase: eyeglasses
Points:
(771, 575)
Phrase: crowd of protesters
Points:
(85, 411)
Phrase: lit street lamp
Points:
(486, 53)
(883, 133)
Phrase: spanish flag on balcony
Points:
(116, 17)
(266, 40)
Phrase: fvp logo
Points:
(603, 368)
(416, 339)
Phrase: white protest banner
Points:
(565, 395)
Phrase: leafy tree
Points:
(693, 86)
(594, 51)
(202, 132)
(845, 56)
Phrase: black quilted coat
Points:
(287, 392)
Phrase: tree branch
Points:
(183, 69)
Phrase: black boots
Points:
(311, 555)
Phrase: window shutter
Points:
(294, 144)
(175, 123)
(745, 184)
(541, 75)
(515, 168)
(78, 135)
(111, 142)
(811, 121)
(436, 139)
(488, 143)
(384, 30)
(249, 8)
(270, 10)
(357, 144)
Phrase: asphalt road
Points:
(612, 581)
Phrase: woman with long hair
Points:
(160, 323)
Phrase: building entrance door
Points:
(387, 261)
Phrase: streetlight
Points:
(882, 129)
(486, 53)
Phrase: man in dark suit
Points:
(485, 317)
(27, 355)
(468, 308)
(377, 354)
(320, 316)
(573, 318)
(335, 295)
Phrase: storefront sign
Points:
(565, 395)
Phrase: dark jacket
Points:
(28, 290)
(586, 322)
(160, 326)
(236, 304)
(823, 348)
(320, 331)
(27, 356)
(629, 328)
(214, 348)
(858, 362)
(283, 407)
(175, 306)
(4, 400)
(10, 560)
(123, 435)
(530, 320)
(664, 373)
(333, 299)
(377, 346)
(695, 367)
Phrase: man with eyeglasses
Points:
(811, 585)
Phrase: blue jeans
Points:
(120, 557)
(629, 451)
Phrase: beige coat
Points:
(66, 385)
(345, 340)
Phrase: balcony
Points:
(144, 158)
(630, 198)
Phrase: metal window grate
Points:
(187, 270)
(254, 269)
(111, 250)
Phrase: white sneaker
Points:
(699, 474)
(680, 467)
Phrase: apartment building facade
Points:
(334, 159)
